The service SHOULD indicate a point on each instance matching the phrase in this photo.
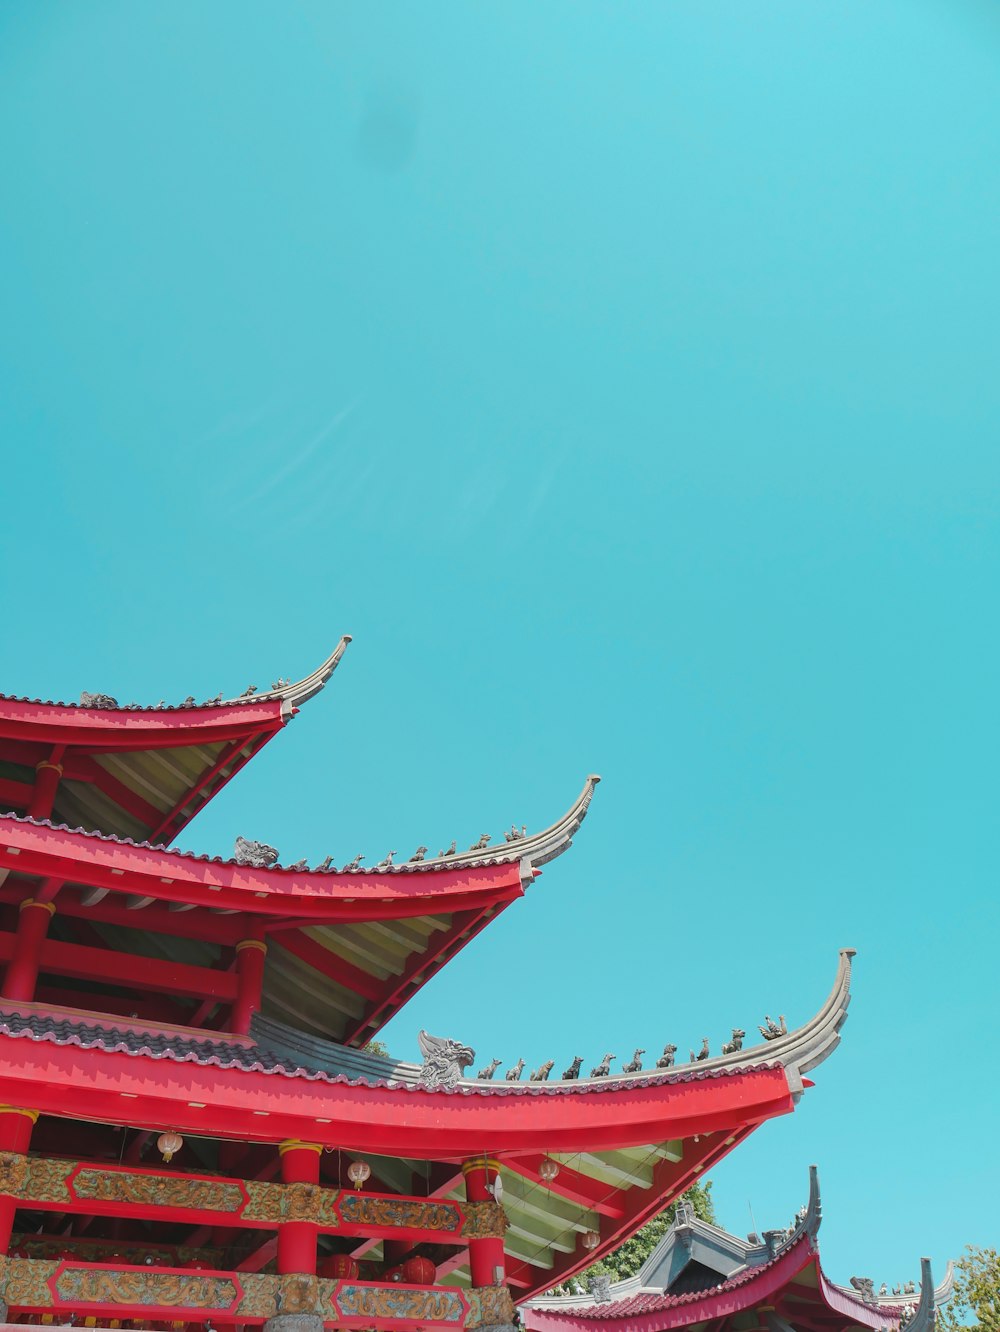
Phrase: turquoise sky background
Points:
(624, 378)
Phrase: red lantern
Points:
(394, 1274)
(419, 1271)
(339, 1267)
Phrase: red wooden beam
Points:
(571, 1185)
(670, 1179)
(464, 926)
(83, 962)
(83, 768)
(328, 964)
(15, 794)
(170, 824)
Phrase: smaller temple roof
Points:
(141, 772)
(699, 1272)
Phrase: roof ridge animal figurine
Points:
(635, 1065)
(736, 1044)
(771, 1031)
(514, 1074)
(356, 862)
(541, 1073)
(450, 852)
(485, 1074)
(574, 1069)
(702, 1053)
(418, 855)
(602, 1069)
(482, 844)
(666, 1060)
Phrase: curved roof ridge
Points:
(535, 848)
(797, 1052)
(531, 851)
(806, 1226)
(291, 695)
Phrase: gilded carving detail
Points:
(489, 1306)
(120, 1186)
(274, 1203)
(357, 1209)
(13, 1173)
(26, 1283)
(263, 1201)
(298, 1294)
(376, 1302)
(260, 1295)
(165, 1290)
(484, 1220)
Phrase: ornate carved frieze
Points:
(162, 1290)
(76, 1186)
(121, 1186)
(33, 1283)
(358, 1209)
(489, 1306)
(402, 1302)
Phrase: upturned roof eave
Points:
(81, 855)
(248, 711)
(224, 1087)
(663, 1312)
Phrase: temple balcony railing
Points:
(83, 1290)
(126, 1192)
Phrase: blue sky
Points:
(623, 377)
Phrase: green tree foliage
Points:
(626, 1260)
(976, 1301)
(376, 1048)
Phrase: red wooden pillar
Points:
(47, 776)
(22, 969)
(15, 1135)
(35, 913)
(486, 1257)
(250, 957)
(297, 1239)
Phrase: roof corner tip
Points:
(814, 1207)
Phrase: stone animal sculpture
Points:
(865, 1288)
(600, 1289)
(666, 1060)
(604, 1067)
(385, 864)
(99, 700)
(327, 866)
(356, 862)
(489, 1070)
(702, 1053)
(636, 1064)
(541, 1074)
(256, 855)
(482, 844)
(514, 835)
(445, 1060)
(514, 1074)
(450, 852)
(302, 864)
(418, 855)
(574, 1069)
(736, 1044)
(772, 1030)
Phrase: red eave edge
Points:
(122, 866)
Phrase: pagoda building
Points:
(192, 1128)
(699, 1278)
